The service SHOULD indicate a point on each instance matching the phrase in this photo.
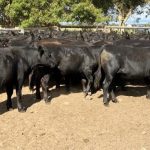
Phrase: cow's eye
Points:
(50, 55)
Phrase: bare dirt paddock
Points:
(70, 122)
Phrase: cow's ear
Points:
(41, 51)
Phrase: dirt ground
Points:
(70, 122)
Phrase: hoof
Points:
(10, 109)
(23, 109)
(38, 97)
(49, 97)
(88, 97)
(106, 104)
(85, 94)
(115, 100)
(89, 93)
(48, 100)
(67, 91)
(148, 96)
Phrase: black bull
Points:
(124, 62)
(72, 60)
(15, 65)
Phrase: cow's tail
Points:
(99, 75)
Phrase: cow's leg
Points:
(9, 91)
(89, 77)
(83, 82)
(120, 83)
(110, 69)
(112, 94)
(113, 97)
(106, 86)
(148, 92)
(57, 84)
(37, 94)
(147, 81)
(20, 106)
(44, 83)
(57, 78)
(67, 83)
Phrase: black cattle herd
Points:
(46, 61)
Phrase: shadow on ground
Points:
(29, 99)
(135, 91)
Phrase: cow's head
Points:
(46, 57)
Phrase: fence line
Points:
(22, 30)
(126, 27)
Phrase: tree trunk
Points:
(123, 18)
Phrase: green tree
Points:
(124, 7)
(85, 12)
(26, 12)
(49, 12)
(4, 19)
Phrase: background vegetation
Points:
(35, 13)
